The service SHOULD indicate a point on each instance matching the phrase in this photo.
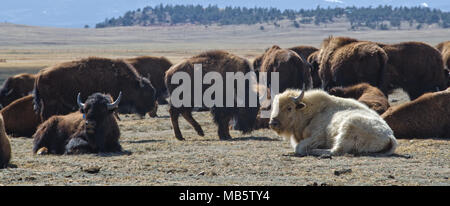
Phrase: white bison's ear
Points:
(300, 105)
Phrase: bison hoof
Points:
(42, 151)
(201, 133)
(179, 138)
(225, 138)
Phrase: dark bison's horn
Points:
(115, 104)
(302, 94)
(80, 104)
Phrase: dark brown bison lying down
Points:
(154, 69)
(5, 146)
(15, 87)
(93, 129)
(220, 62)
(56, 87)
(314, 63)
(345, 61)
(415, 67)
(20, 118)
(426, 117)
(365, 93)
(293, 70)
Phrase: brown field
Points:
(155, 157)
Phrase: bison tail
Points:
(36, 100)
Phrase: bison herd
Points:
(333, 99)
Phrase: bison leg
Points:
(224, 130)
(174, 115)
(188, 116)
(153, 113)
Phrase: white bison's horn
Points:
(80, 104)
(302, 94)
(115, 104)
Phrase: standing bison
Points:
(415, 67)
(345, 61)
(20, 118)
(425, 117)
(15, 87)
(314, 62)
(5, 146)
(304, 51)
(220, 62)
(293, 70)
(444, 48)
(365, 93)
(154, 69)
(320, 124)
(93, 129)
(56, 87)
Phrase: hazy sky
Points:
(77, 13)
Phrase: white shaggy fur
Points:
(330, 125)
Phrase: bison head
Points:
(286, 109)
(141, 100)
(12, 89)
(96, 109)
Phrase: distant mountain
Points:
(77, 13)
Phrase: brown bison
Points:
(56, 87)
(293, 70)
(15, 87)
(304, 51)
(20, 118)
(415, 67)
(220, 62)
(345, 61)
(425, 117)
(5, 146)
(444, 48)
(314, 63)
(154, 69)
(93, 129)
(365, 93)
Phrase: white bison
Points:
(320, 124)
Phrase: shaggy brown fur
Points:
(304, 51)
(365, 93)
(294, 71)
(444, 48)
(5, 146)
(314, 62)
(345, 61)
(92, 129)
(15, 87)
(56, 87)
(212, 61)
(20, 118)
(154, 69)
(426, 117)
(415, 67)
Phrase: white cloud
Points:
(335, 1)
(424, 4)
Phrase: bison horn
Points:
(115, 104)
(80, 104)
(302, 94)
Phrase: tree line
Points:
(381, 17)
